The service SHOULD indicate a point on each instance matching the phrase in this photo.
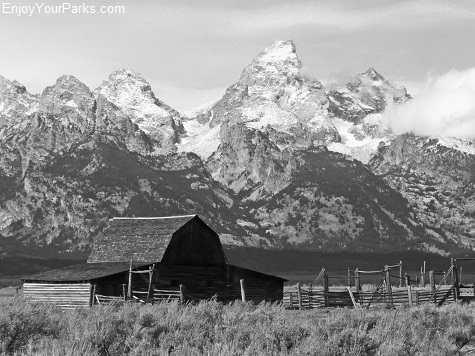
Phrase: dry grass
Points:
(211, 328)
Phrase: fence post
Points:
(182, 294)
(388, 284)
(150, 276)
(456, 280)
(299, 291)
(93, 295)
(310, 292)
(357, 281)
(130, 281)
(452, 272)
(409, 293)
(401, 275)
(424, 276)
(388, 279)
(325, 290)
(291, 302)
(124, 292)
(243, 292)
(417, 298)
(431, 281)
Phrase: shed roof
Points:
(82, 272)
(138, 239)
(258, 274)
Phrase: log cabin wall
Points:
(64, 295)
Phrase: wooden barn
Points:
(150, 259)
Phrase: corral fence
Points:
(311, 297)
(394, 289)
(140, 296)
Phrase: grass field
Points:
(211, 328)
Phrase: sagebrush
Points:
(211, 328)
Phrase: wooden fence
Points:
(142, 296)
(159, 295)
(405, 291)
(308, 298)
(154, 295)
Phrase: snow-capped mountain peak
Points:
(372, 74)
(12, 85)
(15, 102)
(67, 95)
(278, 52)
(275, 67)
(126, 81)
(133, 95)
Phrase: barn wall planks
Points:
(64, 295)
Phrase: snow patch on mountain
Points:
(458, 144)
(356, 140)
(202, 140)
(260, 116)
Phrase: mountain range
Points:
(280, 161)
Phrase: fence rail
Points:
(106, 299)
(158, 295)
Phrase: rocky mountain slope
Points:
(437, 177)
(77, 160)
(279, 161)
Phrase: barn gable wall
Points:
(195, 244)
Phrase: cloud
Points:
(345, 16)
(250, 17)
(445, 106)
(337, 80)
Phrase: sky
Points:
(191, 51)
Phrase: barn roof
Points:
(82, 272)
(137, 239)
